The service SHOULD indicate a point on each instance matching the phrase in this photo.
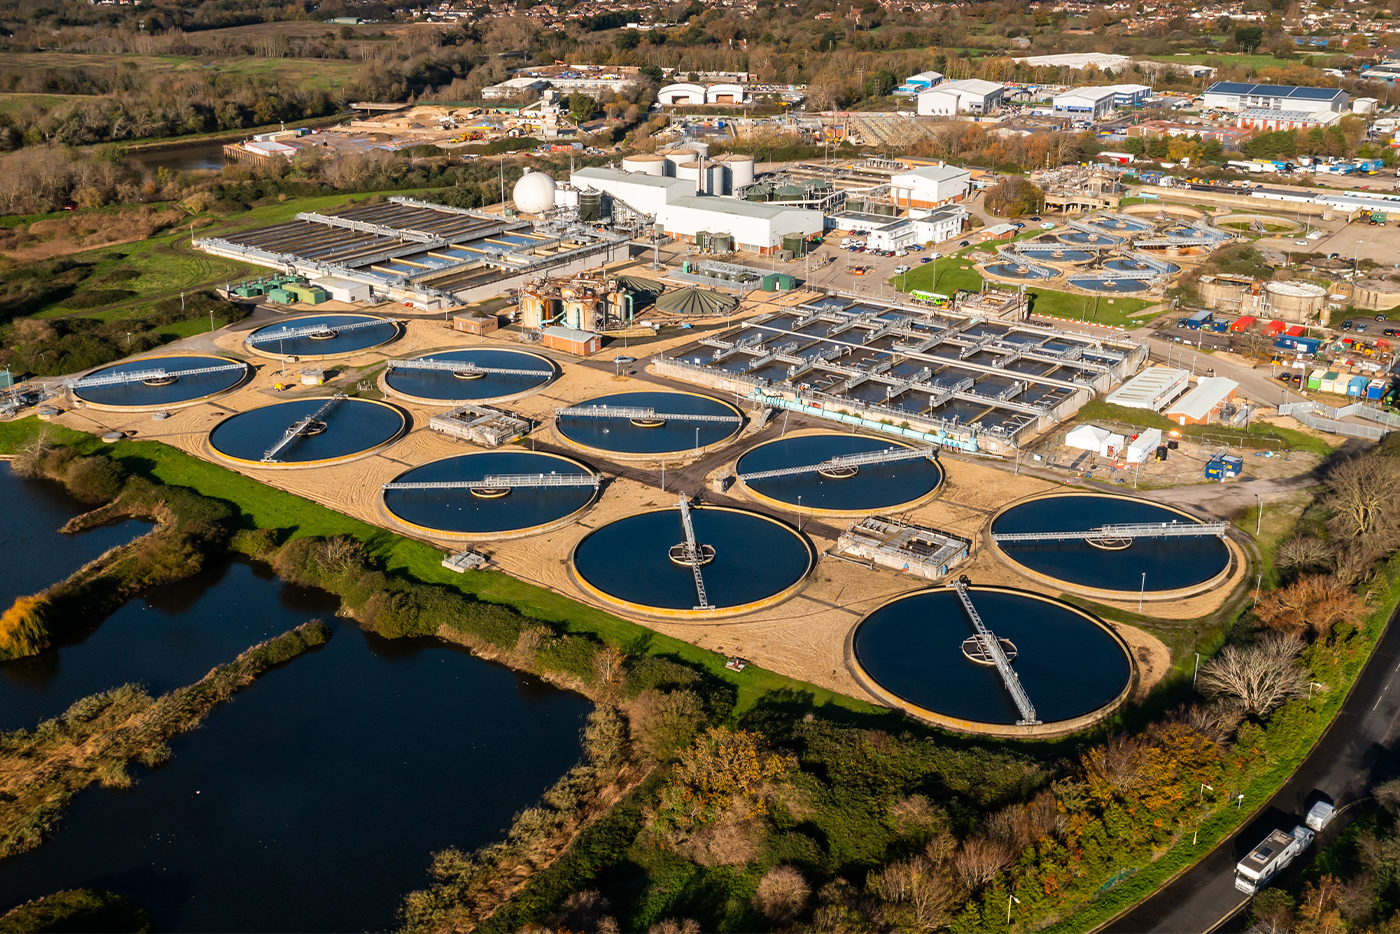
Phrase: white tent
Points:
(1144, 446)
(1093, 438)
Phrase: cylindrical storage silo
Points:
(678, 157)
(690, 171)
(716, 178)
(590, 206)
(855, 205)
(646, 163)
(566, 197)
(1296, 301)
(702, 240)
(794, 244)
(886, 209)
(699, 146)
(1376, 295)
(741, 171)
(723, 243)
(759, 193)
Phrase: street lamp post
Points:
(1142, 591)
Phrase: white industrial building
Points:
(1130, 95)
(1266, 118)
(343, 290)
(513, 87)
(1078, 60)
(1233, 95)
(685, 93)
(921, 82)
(930, 186)
(951, 98)
(883, 232)
(1092, 104)
(756, 227)
(1154, 388)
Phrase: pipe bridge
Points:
(517, 481)
(692, 555)
(992, 646)
(137, 376)
(629, 412)
(846, 460)
(463, 366)
(1120, 533)
(300, 428)
(312, 330)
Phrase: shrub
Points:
(782, 895)
(77, 910)
(94, 479)
(23, 630)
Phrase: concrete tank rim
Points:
(248, 371)
(1294, 289)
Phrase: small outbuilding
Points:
(1202, 404)
(571, 340)
(1101, 441)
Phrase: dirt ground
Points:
(803, 637)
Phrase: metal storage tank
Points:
(690, 171)
(590, 206)
(723, 243)
(716, 180)
(886, 209)
(1222, 293)
(702, 239)
(699, 145)
(1296, 301)
(789, 193)
(795, 244)
(679, 157)
(566, 197)
(855, 205)
(760, 193)
(646, 163)
(1376, 294)
(741, 169)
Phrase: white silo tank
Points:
(646, 163)
(699, 145)
(679, 157)
(566, 197)
(534, 193)
(741, 169)
(690, 171)
(717, 179)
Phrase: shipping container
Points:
(1375, 389)
(1274, 329)
(1243, 324)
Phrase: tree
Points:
(581, 106)
(1013, 197)
(1257, 678)
(1362, 498)
(782, 895)
(1249, 38)
(1314, 604)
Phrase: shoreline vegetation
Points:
(708, 800)
(98, 737)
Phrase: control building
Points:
(951, 98)
(1232, 95)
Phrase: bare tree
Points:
(1257, 678)
(782, 895)
(1303, 553)
(978, 861)
(1315, 603)
(608, 663)
(1362, 497)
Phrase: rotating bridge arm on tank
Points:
(1124, 532)
(463, 366)
(299, 428)
(846, 460)
(630, 412)
(693, 555)
(137, 376)
(503, 482)
(992, 646)
(308, 331)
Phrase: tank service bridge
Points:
(268, 335)
(309, 425)
(503, 482)
(465, 367)
(992, 648)
(638, 414)
(153, 375)
(845, 464)
(1124, 533)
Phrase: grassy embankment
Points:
(95, 739)
(957, 271)
(1260, 435)
(263, 507)
(327, 74)
(75, 910)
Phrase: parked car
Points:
(964, 242)
(901, 269)
(926, 259)
(1047, 226)
(1346, 325)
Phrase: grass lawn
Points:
(1240, 59)
(1262, 434)
(329, 74)
(264, 507)
(12, 103)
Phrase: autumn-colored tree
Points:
(1314, 604)
(22, 629)
(724, 770)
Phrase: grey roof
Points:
(1269, 113)
(1275, 90)
(759, 209)
(569, 334)
(692, 301)
(632, 178)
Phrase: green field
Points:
(12, 103)
(1256, 61)
(328, 74)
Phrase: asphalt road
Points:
(1357, 753)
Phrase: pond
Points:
(313, 800)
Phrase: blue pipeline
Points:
(967, 445)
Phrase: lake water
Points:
(185, 158)
(313, 800)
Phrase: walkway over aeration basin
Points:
(158, 373)
(1119, 533)
(635, 413)
(992, 648)
(845, 462)
(502, 482)
(313, 330)
(464, 366)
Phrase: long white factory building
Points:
(757, 227)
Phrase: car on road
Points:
(901, 269)
(964, 242)
(624, 359)
(926, 259)
(1300, 243)
(1035, 217)
(1380, 317)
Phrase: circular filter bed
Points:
(913, 650)
(1082, 237)
(747, 561)
(1017, 271)
(836, 486)
(322, 431)
(1122, 286)
(1171, 564)
(476, 375)
(500, 510)
(1137, 265)
(159, 382)
(316, 336)
(635, 424)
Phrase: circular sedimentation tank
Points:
(748, 562)
(1174, 566)
(1019, 271)
(626, 433)
(315, 337)
(1119, 286)
(836, 487)
(913, 652)
(489, 512)
(329, 432)
(474, 380)
(1051, 254)
(161, 382)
